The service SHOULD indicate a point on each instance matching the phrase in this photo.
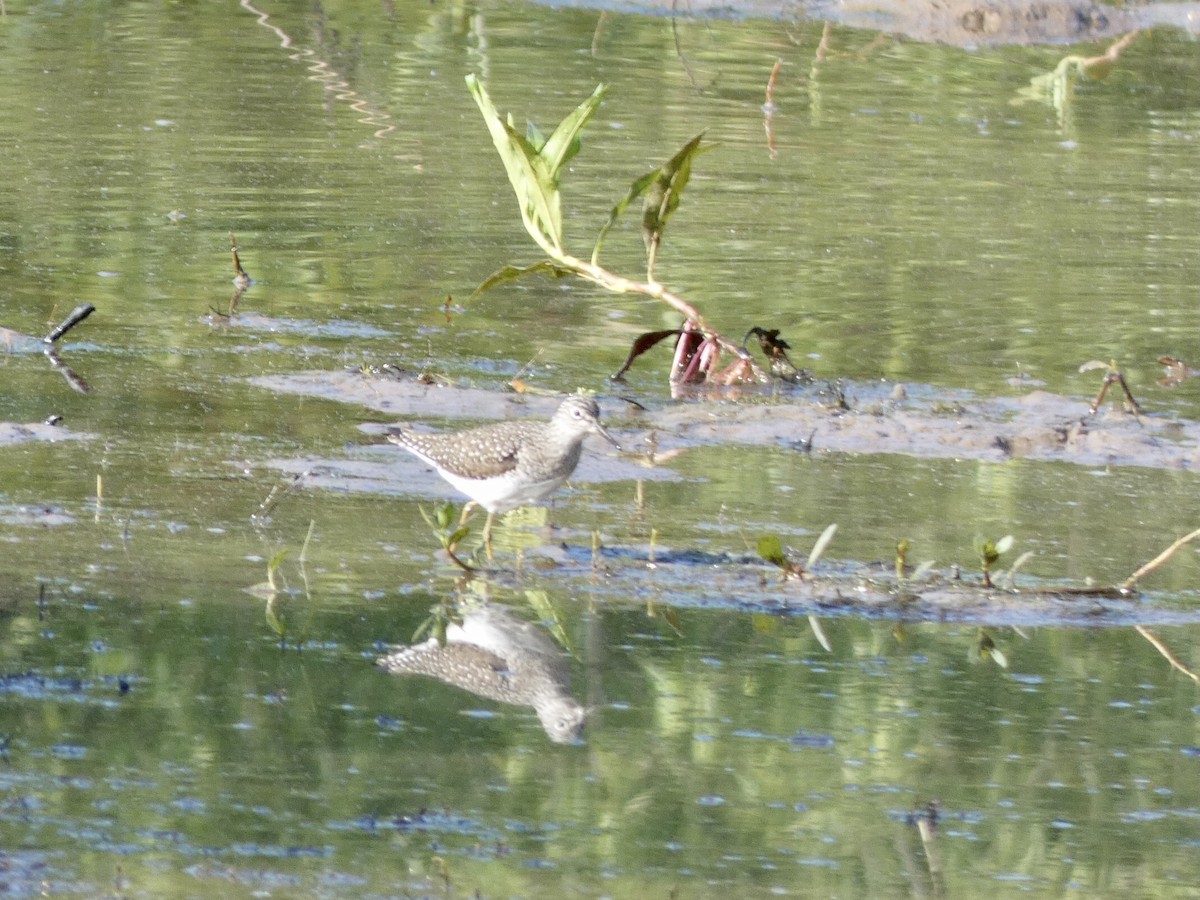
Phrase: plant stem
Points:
(620, 285)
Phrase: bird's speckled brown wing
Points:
(483, 452)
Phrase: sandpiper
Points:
(509, 464)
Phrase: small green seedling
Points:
(990, 553)
(450, 528)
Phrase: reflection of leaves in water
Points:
(1057, 87)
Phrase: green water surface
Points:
(905, 212)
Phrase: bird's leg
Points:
(487, 536)
(468, 508)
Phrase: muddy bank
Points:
(1037, 425)
(962, 23)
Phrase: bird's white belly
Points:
(506, 492)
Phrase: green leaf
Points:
(635, 190)
(512, 273)
(446, 514)
(540, 602)
(533, 167)
(770, 548)
(668, 182)
(277, 561)
(537, 194)
(425, 627)
(275, 621)
(1004, 544)
(665, 194)
(273, 566)
(564, 143)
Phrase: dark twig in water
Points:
(68, 373)
(78, 314)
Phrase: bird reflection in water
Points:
(496, 655)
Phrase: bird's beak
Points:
(600, 430)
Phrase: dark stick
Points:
(78, 314)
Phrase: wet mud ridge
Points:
(1038, 425)
(961, 23)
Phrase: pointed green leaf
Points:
(667, 191)
(635, 191)
(276, 561)
(429, 520)
(535, 187)
(275, 621)
(540, 602)
(512, 273)
(665, 185)
(425, 627)
(564, 143)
